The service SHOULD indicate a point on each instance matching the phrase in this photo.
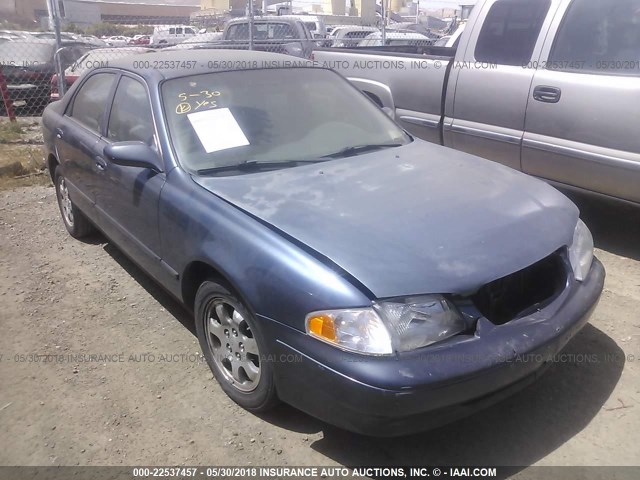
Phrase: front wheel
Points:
(234, 348)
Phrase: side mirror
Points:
(133, 154)
(390, 112)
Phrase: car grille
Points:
(524, 292)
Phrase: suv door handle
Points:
(547, 94)
(101, 164)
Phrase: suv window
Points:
(261, 31)
(510, 31)
(600, 36)
(90, 102)
(131, 118)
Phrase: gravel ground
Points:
(59, 296)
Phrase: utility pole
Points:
(383, 12)
(418, 11)
(250, 12)
(54, 22)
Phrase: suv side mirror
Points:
(134, 154)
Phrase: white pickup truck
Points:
(548, 87)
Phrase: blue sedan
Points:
(331, 261)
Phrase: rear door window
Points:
(599, 36)
(510, 31)
(90, 102)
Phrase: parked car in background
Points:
(69, 37)
(98, 58)
(376, 281)
(276, 34)
(12, 34)
(314, 24)
(92, 39)
(28, 65)
(412, 27)
(172, 34)
(548, 87)
(117, 41)
(140, 40)
(395, 38)
(451, 41)
(348, 36)
(200, 39)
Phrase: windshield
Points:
(271, 115)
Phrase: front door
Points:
(127, 197)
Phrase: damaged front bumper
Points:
(429, 387)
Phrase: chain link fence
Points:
(38, 67)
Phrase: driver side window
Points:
(131, 118)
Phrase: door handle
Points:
(59, 133)
(547, 94)
(101, 164)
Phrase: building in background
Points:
(84, 12)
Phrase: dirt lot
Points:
(63, 297)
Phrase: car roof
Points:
(223, 60)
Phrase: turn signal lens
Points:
(358, 330)
(322, 326)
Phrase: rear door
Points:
(492, 79)
(127, 197)
(78, 138)
(584, 105)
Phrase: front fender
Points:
(277, 278)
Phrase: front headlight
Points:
(358, 330)
(581, 251)
(421, 321)
(399, 324)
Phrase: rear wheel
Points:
(74, 220)
(234, 347)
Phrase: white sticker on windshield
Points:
(217, 129)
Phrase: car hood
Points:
(415, 219)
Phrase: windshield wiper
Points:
(351, 151)
(255, 165)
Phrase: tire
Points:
(76, 223)
(234, 348)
